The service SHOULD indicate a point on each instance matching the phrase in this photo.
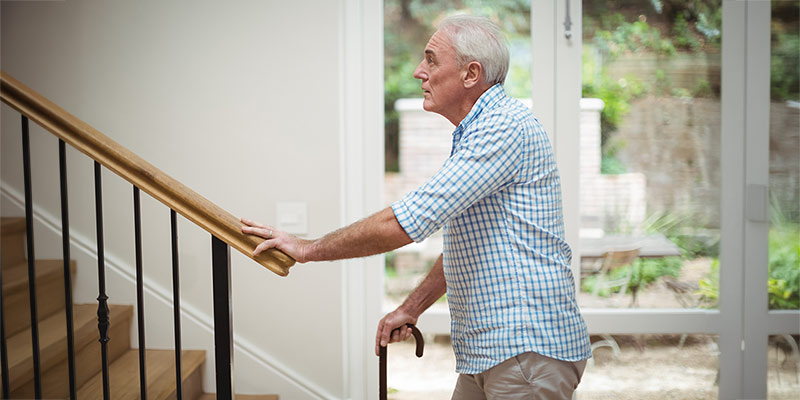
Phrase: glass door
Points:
(665, 179)
(783, 243)
(650, 184)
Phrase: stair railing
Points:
(223, 227)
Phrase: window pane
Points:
(650, 154)
(783, 283)
(432, 377)
(783, 367)
(652, 367)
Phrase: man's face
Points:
(442, 85)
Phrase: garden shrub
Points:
(783, 284)
(645, 272)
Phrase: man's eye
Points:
(430, 60)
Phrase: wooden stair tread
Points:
(12, 241)
(124, 374)
(49, 293)
(16, 278)
(213, 396)
(52, 339)
(12, 225)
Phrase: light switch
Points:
(292, 217)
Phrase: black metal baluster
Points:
(102, 305)
(137, 217)
(223, 318)
(3, 347)
(62, 163)
(26, 161)
(176, 303)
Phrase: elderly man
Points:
(516, 328)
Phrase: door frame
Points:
(361, 156)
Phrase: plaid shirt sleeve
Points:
(482, 163)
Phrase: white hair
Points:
(478, 39)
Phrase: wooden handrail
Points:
(138, 172)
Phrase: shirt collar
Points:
(488, 99)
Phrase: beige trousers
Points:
(526, 376)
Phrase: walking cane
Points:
(420, 345)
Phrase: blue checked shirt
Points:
(507, 266)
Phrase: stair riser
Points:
(13, 249)
(88, 363)
(192, 386)
(49, 299)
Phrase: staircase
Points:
(123, 361)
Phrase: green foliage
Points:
(709, 25)
(682, 93)
(681, 230)
(648, 270)
(616, 95)
(782, 294)
(389, 266)
(610, 21)
(709, 286)
(588, 283)
(663, 86)
(785, 51)
(616, 101)
(702, 88)
(399, 65)
(683, 37)
(785, 67)
(610, 165)
(630, 37)
(783, 284)
(645, 272)
(686, 25)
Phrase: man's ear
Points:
(472, 75)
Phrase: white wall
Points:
(238, 100)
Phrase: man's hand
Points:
(375, 234)
(395, 319)
(430, 290)
(291, 245)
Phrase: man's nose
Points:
(420, 73)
